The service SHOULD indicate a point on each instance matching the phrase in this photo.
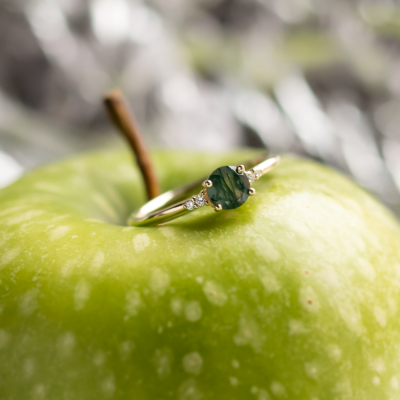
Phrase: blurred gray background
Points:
(315, 77)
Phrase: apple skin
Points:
(293, 296)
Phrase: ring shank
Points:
(170, 205)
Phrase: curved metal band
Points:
(170, 205)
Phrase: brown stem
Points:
(126, 124)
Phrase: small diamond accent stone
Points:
(189, 205)
(251, 177)
(200, 200)
(258, 174)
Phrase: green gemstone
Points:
(230, 189)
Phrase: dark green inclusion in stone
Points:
(229, 188)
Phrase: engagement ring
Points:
(226, 188)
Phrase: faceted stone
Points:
(258, 174)
(230, 189)
(189, 205)
(251, 176)
(200, 200)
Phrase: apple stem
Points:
(126, 124)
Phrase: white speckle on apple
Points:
(189, 391)
(215, 294)
(176, 306)
(99, 358)
(265, 248)
(269, 281)
(249, 333)
(65, 344)
(108, 386)
(29, 367)
(233, 380)
(162, 361)
(193, 311)
(4, 338)
(235, 364)
(345, 388)
(366, 269)
(133, 302)
(128, 229)
(278, 389)
(378, 365)
(334, 352)
(308, 299)
(59, 232)
(351, 317)
(81, 294)
(141, 241)
(311, 370)
(9, 256)
(167, 231)
(394, 383)
(192, 363)
(254, 390)
(125, 349)
(263, 395)
(39, 392)
(66, 269)
(159, 282)
(376, 380)
(380, 316)
(6, 238)
(296, 327)
(199, 280)
(28, 302)
(98, 260)
(28, 215)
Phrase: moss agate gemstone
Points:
(230, 189)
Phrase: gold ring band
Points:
(232, 184)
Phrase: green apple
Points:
(295, 295)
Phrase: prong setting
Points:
(194, 199)
(252, 191)
(253, 175)
(240, 169)
(218, 208)
(207, 183)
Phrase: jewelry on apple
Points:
(226, 188)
